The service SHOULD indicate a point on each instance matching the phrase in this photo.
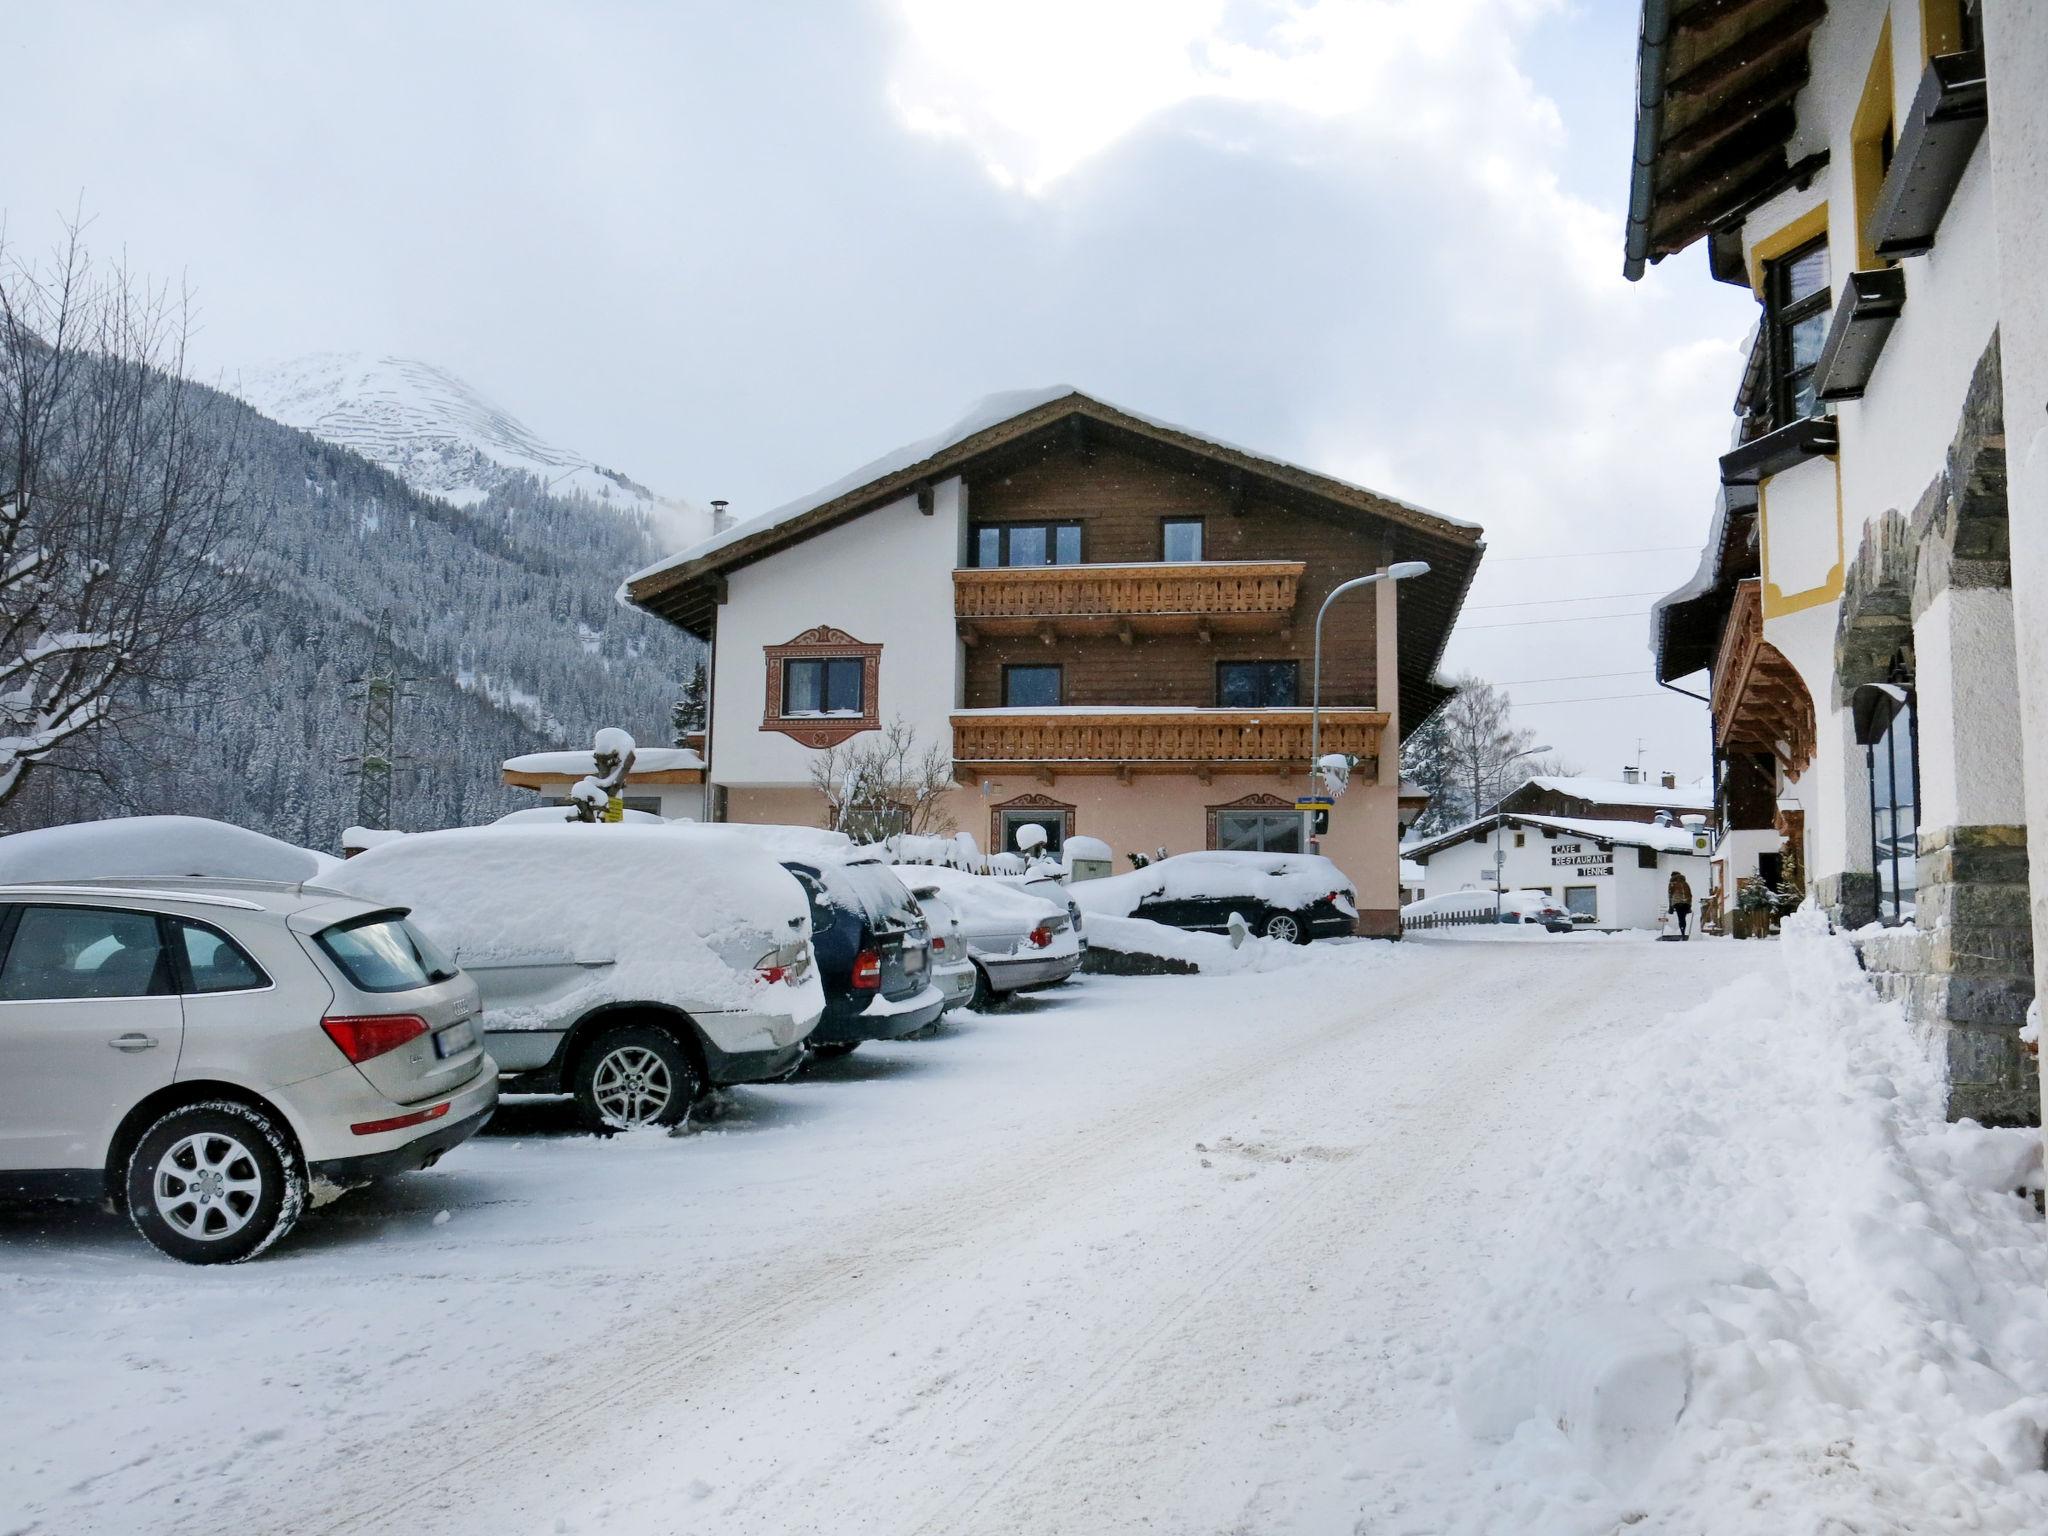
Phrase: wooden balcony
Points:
(1125, 742)
(1760, 700)
(1211, 597)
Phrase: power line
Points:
(1574, 677)
(1591, 698)
(1584, 618)
(1595, 554)
(1545, 602)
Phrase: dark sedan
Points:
(874, 955)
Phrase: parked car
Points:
(1476, 906)
(874, 954)
(1018, 939)
(1293, 897)
(635, 967)
(952, 968)
(212, 1055)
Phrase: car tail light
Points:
(400, 1122)
(867, 970)
(938, 944)
(1040, 936)
(362, 1036)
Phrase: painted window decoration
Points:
(1257, 684)
(997, 544)
(822, 685)
(1259, 831)
(1796, 314)
(1031, 687)
(1583, 902)
(1181, 539)
(1885, 725)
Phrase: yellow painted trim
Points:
(1941, 27)
(1867, 129)
(1778, 603)
(1810, 225)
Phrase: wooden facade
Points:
(1204, 742)
(1760, 702)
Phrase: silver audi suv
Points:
(214, 1056)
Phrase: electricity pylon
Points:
(382, 688)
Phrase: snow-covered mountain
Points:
(442, 436)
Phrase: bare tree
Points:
(117, 518)
(881, 783)
(1467, 754)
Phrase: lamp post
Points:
(1500, 853)
(1400, 571)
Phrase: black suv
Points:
(874, 955)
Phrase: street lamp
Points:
(1500, 853)
(1400, 571)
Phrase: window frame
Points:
(1293, 664)
(825, 664)
(1565, 900)
(181, 962)
(164, 980)
(1198, 523)
(1889, 890)
(1782, 316)
(1050, 527)
(1261, 814)
(1059, 676)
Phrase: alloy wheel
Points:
(207, 1186)
(1284, 928)
(631, 1086)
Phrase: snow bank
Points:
(1286, 880)
(676, 913)
(1771, 1289)
(1209, 953)
(154, 848)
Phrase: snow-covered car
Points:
(156, 848)
(1477, 906)
(1018, 940)
(635, 967)
(952, 967)
(1293, 897)
(874, 954)
(271, 1044)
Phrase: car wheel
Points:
(983, 995)
(1287, 928)
(832, 1050)
(636, 1074)
(214, 1183)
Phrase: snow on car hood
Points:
(155, 848)
(1286, 880)
(983, 903)
(676, 913)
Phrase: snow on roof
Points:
(1702, 580)
(990, 411)
(1412, 873)
(1690, 797)
(576, 765)
(154, 848)
(1630, 834)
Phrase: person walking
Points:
(1681, 902)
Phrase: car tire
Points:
(832, 1050)
(634, 1075)
(214, 1183)
(984, 998)
(1287, 927)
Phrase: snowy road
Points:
(1158, 1255)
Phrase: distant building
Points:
(666, 781)
(1607, 874)
(1632, 797)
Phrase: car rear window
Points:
(884, 898)
(384, 953)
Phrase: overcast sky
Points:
(738, 249)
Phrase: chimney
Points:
(1670, 779)
(1631, 775)
(719, 520)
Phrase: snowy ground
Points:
(1450, 1236)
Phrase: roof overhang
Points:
(1716, 83)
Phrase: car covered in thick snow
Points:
(874, 953)
(634, 967)
(1293, 897)
(156, 848)
(952, 967)
(1455, 908)
(1020, 938)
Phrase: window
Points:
(1180, 538)
(1031, 687)
(66, 953)
(383, 953)
(822, 685)
(214, 962)
(1886, 727)
(1646, 858)
(1796, 317)
(1259, 831)
(1521, 839)
(1054, 824)
(1027, 544)
(1583, 902)
(1256, 684)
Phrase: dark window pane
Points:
(217, 964)
(1808, 337)
(1067, 544)
(1031, 687)
(1054, 825)
(1259, 831)
(384, 954)
(843, 684)
(1183, 540)
(1237, 685)
(803, 687)
(1806, 271)
(1582, 900)
(1027, 545)
(988, 546)
(74, 952)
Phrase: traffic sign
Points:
(1313, 802)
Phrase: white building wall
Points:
(1631, 897)
(885, 578)
(1970, 757)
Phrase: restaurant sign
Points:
(1582, 860)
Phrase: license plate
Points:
(454, 1040)
(913, 960)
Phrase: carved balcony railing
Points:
(1131, 741)
(1219, 597)
(1760, 701)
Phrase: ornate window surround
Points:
(1258, 802)
(824, 730)
(1032, 802)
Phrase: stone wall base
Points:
(1849, 899)
(1965, 968)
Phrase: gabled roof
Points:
(685, 588)
(1626, 834)
(1686, 797)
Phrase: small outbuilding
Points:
(666, 781)
(1608, 874)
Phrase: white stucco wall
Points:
(1631, 897)
(886, 579)
(1970, 758)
